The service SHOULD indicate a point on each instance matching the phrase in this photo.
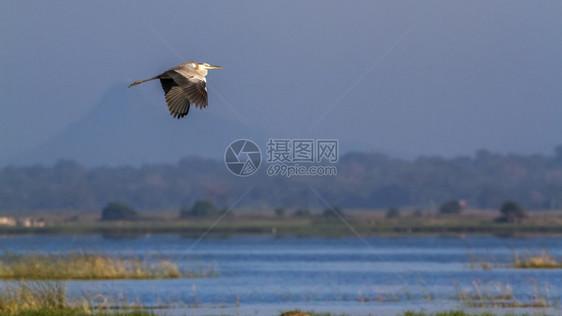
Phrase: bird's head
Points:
(207, 66)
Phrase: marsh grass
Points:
(480, 263)
(463, 313)
(544, 260)
(33, 296)
(412, 313)
(295, 313)
(83, 266)
(73, 312)
(498, 295)
(381, 297)
(49, 298)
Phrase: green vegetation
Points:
(29, 296)
(280, 211)
(541, 261)
(393, 212)
(412, 313)
(463, 313)
(367, 224)
(76, 312)
(117, 211)
(49, 298)
(511, 212)
(498, 295)
(364, 181)
(333, 212)
(82, 266)
(204, 208)
(302, 212)
(295, 313)
(452, 207)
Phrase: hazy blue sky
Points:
(469, 74)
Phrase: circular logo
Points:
(242, 157)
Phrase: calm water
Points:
(264, 275)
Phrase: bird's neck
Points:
(202, 71)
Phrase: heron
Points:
(183, 85)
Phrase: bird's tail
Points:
(141, 81)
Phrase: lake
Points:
(263, 275)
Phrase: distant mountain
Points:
(123, 128)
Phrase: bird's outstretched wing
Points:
(194, 86)
(178, 104)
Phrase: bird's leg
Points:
(141, 81)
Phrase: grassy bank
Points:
(296, 227)
(82, 266)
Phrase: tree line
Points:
(363, 180)
(510, 212)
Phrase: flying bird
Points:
(183, 85)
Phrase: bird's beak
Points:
(214, 67)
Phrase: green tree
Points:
(302, 212)
(280, 212)
(333, 211)
(452, 207)
(393, 212)
(185, 212)
(201, 208)
(511, 212)
(117, 211)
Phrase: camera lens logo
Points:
(242, 157)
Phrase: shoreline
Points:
(291, 228)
